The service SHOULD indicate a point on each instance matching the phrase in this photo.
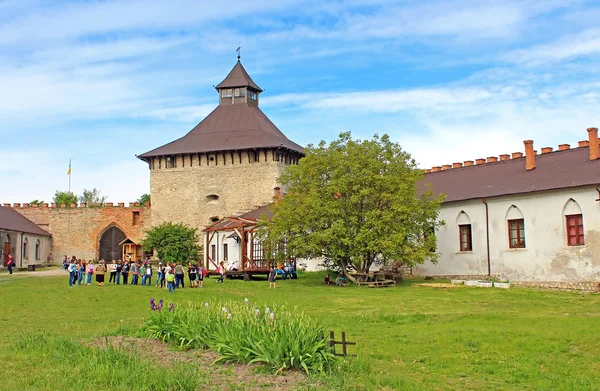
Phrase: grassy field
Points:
(409, 337)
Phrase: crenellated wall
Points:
(77, 229)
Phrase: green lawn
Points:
(408, 337)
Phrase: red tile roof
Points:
(556, 170)
(14, 221)
(229, 127)
(238, 77)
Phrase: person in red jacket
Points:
(11, 263)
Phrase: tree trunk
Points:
(345, 272)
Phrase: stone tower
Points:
(227, 164)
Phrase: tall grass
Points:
(70, 365)
(239, 331)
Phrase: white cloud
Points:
(586, 43)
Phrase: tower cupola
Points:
(238, 87)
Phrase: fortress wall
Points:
(76, 230)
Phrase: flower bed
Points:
(243, 332)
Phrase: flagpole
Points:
(69, 175)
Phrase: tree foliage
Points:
(173, 242)
(92, 197)
(65, 197)
(356, 202)
(144, 198)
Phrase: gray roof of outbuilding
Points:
(555, 170)
(229, 127)
(238, 77)
(12, 220)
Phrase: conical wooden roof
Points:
(227, 128)
(238, 77)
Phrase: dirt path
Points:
(41, 273)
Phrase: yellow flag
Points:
(69, 172)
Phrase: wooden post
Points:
(344, 351)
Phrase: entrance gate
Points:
(109, 244)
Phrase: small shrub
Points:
(277, 337)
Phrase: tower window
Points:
(226, 93)
(170, 162)
(212, 198)
(251, 94)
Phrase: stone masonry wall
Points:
(77, 230)
(198, 188)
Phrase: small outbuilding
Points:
(23, 239)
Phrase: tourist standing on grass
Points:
(192, 272)
(113, 272)
(171, 281)
(135, 270)
(159, 275)
(72, 272)
(168, 269)
(100, 271)
(179, 275)
(221, 271)
(65, 263)
(272, 277)
(90, 272)
(125, 272)
(10, 264)
(143, 273)
(80, 271)
(148, 274)
(201, 274)
(119, 270)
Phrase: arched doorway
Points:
(109, 244)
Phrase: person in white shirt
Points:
(113, 272)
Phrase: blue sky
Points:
(101, 81)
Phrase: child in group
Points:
(272, 277)
(201, 274)
(113, 272)
(192, 272)
(221, 271)
(171, 281)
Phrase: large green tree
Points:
(65, 197)
(356, 202)
(173, 242)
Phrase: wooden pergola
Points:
(254, 258)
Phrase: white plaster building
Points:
(530, 219)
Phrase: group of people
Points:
(168, 275)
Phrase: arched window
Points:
(573, 218)
(516, 227)
(464, 232)
(37, 250)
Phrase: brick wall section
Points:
(181, 194)
(77, 231)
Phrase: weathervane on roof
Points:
(238, 52)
